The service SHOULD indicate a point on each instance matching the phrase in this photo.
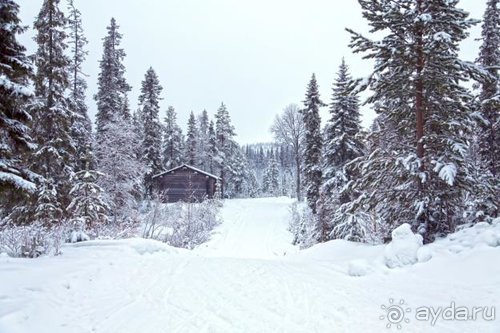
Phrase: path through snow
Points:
(256, 228)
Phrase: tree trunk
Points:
(419, 94)
(297, 162)
(422, 224)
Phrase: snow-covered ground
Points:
(249, 278)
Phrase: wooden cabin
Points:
(185, 183)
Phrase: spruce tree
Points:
(418, 175)
(81, 130)
(489, 59)
(313, 143)
(203, 138)
(173, 141)
(342, 142)
(212, 151)
(224, 132)
(112, 86)
(15, 136)
(192, 141)
(342, 145)
(239, 175)
(55, 157)
(117, 141)
(483, 156)
(151, 137)
(88, 208)
(271, 180)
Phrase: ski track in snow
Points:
(247, 278)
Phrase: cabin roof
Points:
(189, 167)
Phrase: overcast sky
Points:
(257, 56)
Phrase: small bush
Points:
(31, 241)
(181, 224)
(303, 225)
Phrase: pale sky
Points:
(257, 56)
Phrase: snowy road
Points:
(240, 281)
(254, 228)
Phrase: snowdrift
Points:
(405, 249)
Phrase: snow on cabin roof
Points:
(189, 167)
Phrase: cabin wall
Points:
(184, 185)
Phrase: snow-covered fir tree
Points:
(52, 123)
(342, 145)
(116, 137)
(271, 180)
(15, 136)
(212, 151)
(149, 110)
(489, 58)
(237, 180)
(173, 140)
(418, 175)
(313, 143)
(48, 210)
(81, 129)
(88, 208)
(112, 86)
(253, 189)
(192, 137)
(482, 203)
(203, 138)
(224, 132)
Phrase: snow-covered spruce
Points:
(313, 146)
(54, 158)
(150, 138)
(343, 144)
(415, 171)
(15, 139)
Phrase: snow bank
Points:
(359, 268)
(480, 235)
(403, 249)
(340, 251)
(140, 245)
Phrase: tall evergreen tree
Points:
(313, 143)
(224, 131)
(54, 158)
(81, 127)
(238, 176)
(203, 138)
(15, 136)
(489, 58)
(416, 85)
(271, 180)
(151, 137)
(173, 141)
(212, 151)
(192, 141)
(117, 141)
(342, 145)
(484, 153)
(112, 86)
(88, 208)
